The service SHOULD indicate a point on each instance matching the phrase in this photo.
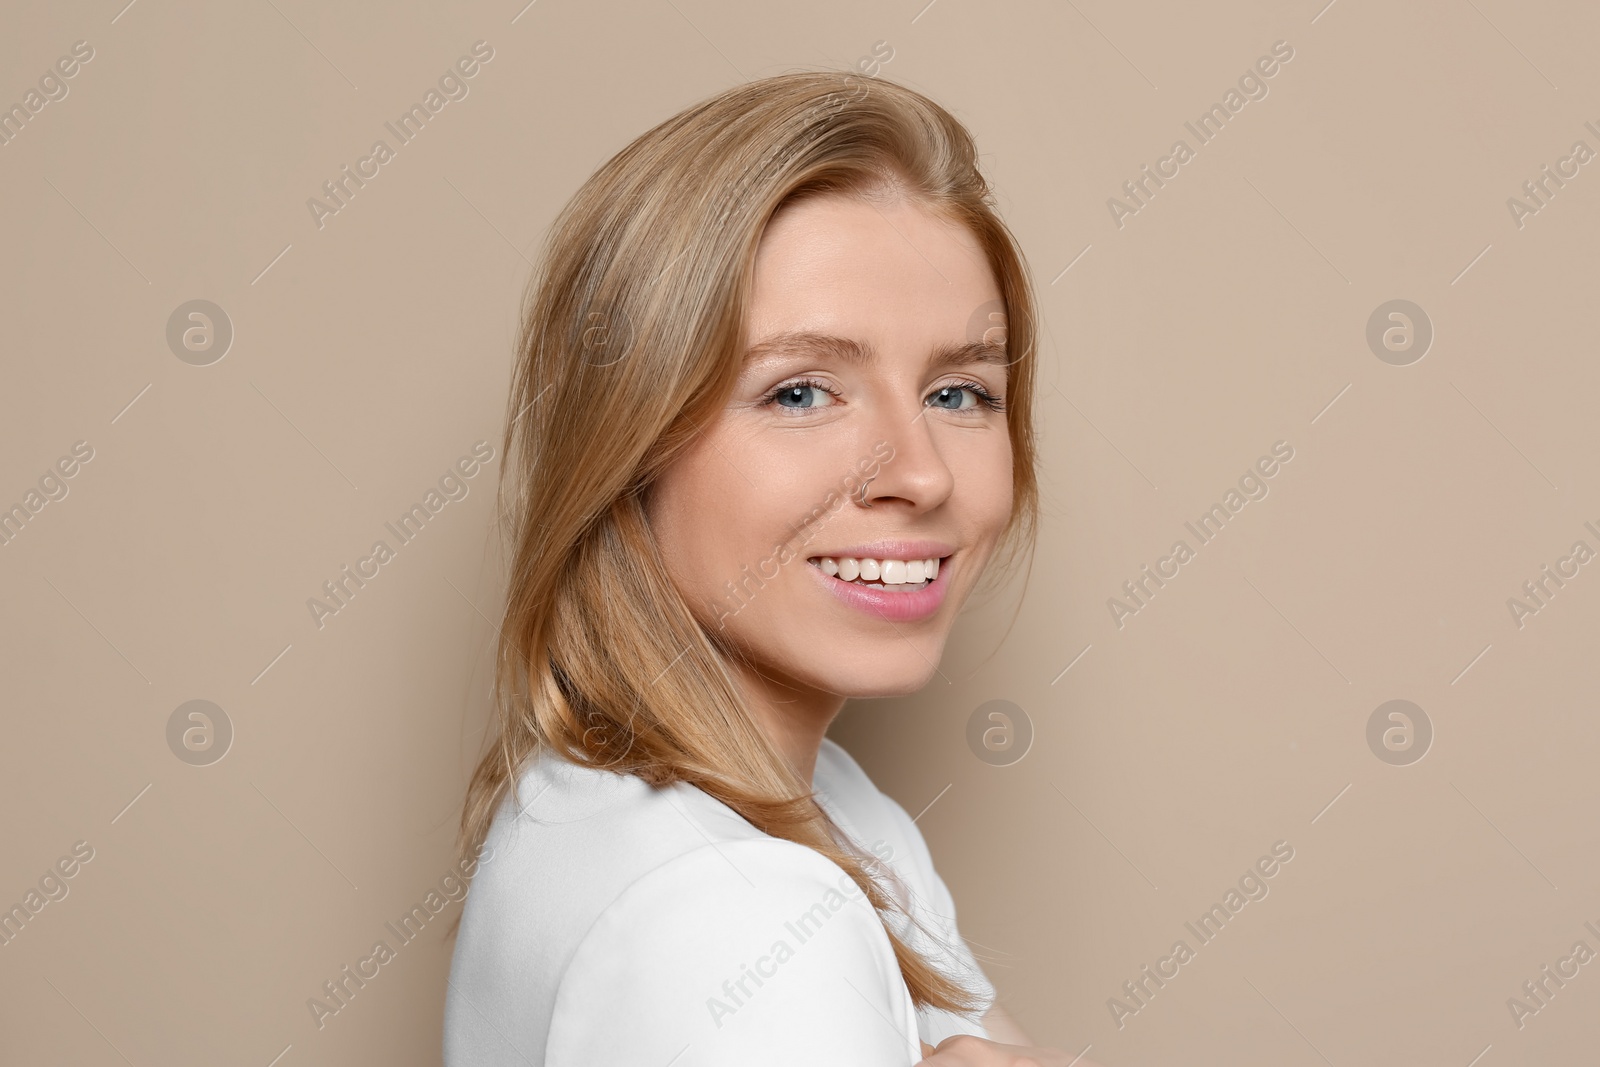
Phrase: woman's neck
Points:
(795, 718)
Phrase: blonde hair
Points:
(631, 342)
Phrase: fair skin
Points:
(901, 282)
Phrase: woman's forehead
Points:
(836, 265)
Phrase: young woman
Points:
(767, 429)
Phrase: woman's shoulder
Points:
(728, 954)
(569, 838)
(665, 904)
(572, 840)
(585, 833)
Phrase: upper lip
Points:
(891, 550)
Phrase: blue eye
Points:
(800, 395)
(805, 394)
(957, 391)
(952, 392)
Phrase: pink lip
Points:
(891, 550)
(882, 604)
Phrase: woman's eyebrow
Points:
(859, 353)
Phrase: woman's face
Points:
(763, 506)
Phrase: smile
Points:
(900, 575)
(895, 590)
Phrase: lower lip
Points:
(880, 603)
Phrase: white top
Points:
(613, 923)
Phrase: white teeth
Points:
(885, 571)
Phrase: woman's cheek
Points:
(985, 480)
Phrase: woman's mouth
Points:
(894, 590)
(895, 575)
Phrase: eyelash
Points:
(984, 396)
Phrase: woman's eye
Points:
(802, 396)
(943, 398)
(813, 395)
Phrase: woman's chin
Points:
(873, 681)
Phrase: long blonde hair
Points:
(631, 342)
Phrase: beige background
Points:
(1228, 314)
